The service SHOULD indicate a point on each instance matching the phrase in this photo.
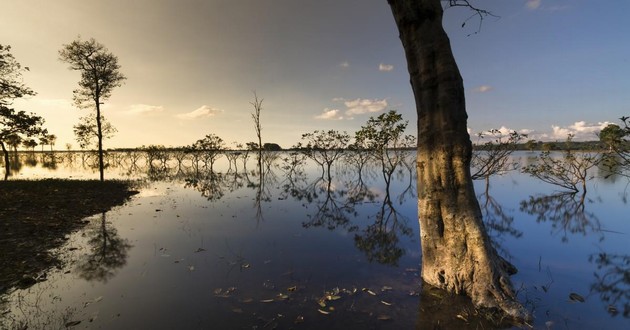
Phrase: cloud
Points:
(201, 112)
(330, 114)
(144, 109)
(361, 106)
(533, 4)
(344, 64)
(385, 67)
(483, 89)
(580, 129)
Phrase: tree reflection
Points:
(333, 210)
(497, 221)
(209, 184)
(566, 212)
(379, 241)
(613, 281)
(108, 252)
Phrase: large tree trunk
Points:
(456, 251)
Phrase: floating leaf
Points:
(386, 303)
(292, 289)
(331, 297)
(218, 291)
(267, 301)
(371, 292)
(72, 323)
(299, 319)
(247, 300)
(282, 296)
(612, 309)
(245, 265)
(322, 303)
(191, 268)
(384, 317)
(237, 310)
(576, 297)
(323, 312)
(200, 250)
(386, 288)
(461, 318)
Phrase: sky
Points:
(546, 68)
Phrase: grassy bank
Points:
(36, 216)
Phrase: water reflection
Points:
(108, 252)
(374, 230)
(565, 211)
(612, 282)
(499, 223)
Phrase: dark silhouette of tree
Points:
(457, 254)
(17, 124)
(100, 74)
(11, 85)
(108, 252)
(208, 149)
(325, 147)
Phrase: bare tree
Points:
(257, 104)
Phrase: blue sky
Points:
(546, 68)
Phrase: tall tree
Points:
(457, 254)
(100, 74)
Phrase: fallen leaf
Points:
(576, 297)
(461, 317)
(72, 323)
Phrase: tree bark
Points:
(457, 255)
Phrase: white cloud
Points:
(330, 114)
(580, 129)
(385, 67)
(361, 106)
(201, 112)
(533, 4)
(483, 89)
(144, 109)
(344, 64)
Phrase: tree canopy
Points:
(11, 85)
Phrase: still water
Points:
(281, 244)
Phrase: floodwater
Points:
(278, 244)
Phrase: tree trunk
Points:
(7, 167)
(457, 255)
(100, 139)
